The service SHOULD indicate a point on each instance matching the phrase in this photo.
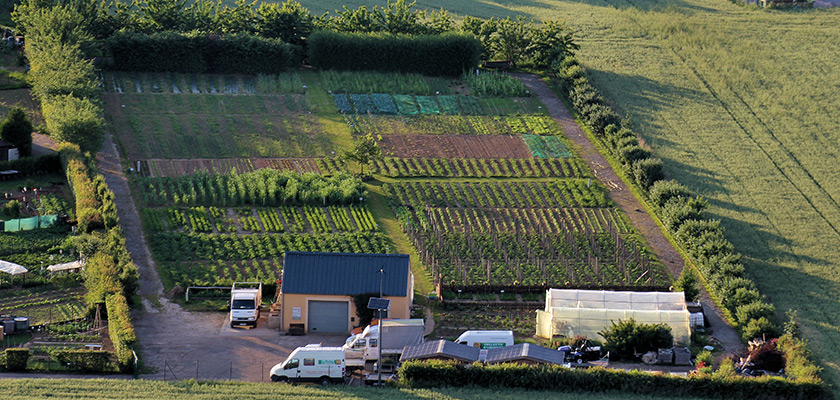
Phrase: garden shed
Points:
(318, 288)
(441, 350)
(571, 312)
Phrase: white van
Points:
(486, 339)
(311, 363)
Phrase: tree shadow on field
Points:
(701, 181)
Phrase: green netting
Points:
(12, 225)
(405, 104)
(470, 105)
(449, 105)
(362, 103)
(384, 104)
(342, 103)
(428, 105)
(48, 220)
(557, 147)
(28, 224)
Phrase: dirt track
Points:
(620, 193)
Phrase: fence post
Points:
(196, 369)
(230, 371)
(164, 370)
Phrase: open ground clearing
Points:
(740, 105)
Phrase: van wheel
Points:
(579, 361)
(324, 381)
(275, 378)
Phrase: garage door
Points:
(328, 316)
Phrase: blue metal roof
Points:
(344, 273)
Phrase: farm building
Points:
(441, 350)
(524, 353)
(570, 312)
(318, 288)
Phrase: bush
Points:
(438, 55)
(16, 359)
(73, 120)
(631, 153)
(120, 330)
(681, 209)
(598, 117)
(17, 130)
(33, 165)
(742, 296)
(85, 360)
(625, 338)
(647, 171)
(663, 191)
(755, 310)
(687, 283)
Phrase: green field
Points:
(739, 104)
(117, 389)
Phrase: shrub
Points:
(631, 153)
(755, 310)
(85, 360)
(687, 283)
(626, 337)
(681, 209)
(647, 171)
(741, 296)
(120, 330)
(598, 117)
(33, 165)
(17, 130)
(438, 55)
(16, 359)
(797, 360)
(663, 191)
(73, 120)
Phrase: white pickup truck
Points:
(245, 300)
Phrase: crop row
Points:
(524, 219)
(557, 193)
(403, 104)
(180, 246)
(280, 219)
(534, 258)
(46, 306)
(221, 273)
(539, 125)
(134, 82)
(481, 167)
(263, 187)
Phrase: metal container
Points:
(9, 325)
(21, 324)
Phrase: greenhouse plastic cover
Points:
(586, 312)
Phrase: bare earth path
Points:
(621, 195)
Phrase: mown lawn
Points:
(741, 105)
(153, 390)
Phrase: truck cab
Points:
(311, 363)
(366, 345)
(245, 300)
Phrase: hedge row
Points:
(63, 78)
(121, 330)
(438, 55)
(680, 211)
(682, 214)
(94, 361)
(48, 164)
(16, 359)
(199, 53)
(420, 374)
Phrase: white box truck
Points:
(397, 333)
(486, 339)
(245, 300)
(311, 363)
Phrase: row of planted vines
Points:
(213, 229)
(480, 167)
(522, 233)
(540, 125)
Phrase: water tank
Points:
(9, 325)
(21, 324)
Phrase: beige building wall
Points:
(399, 308)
